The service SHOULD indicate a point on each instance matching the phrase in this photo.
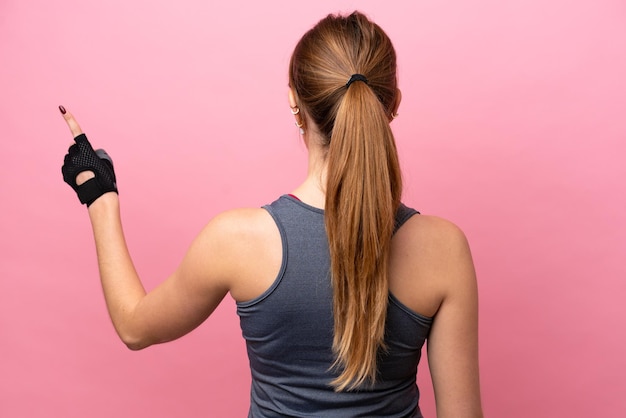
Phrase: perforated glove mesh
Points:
(82, 157)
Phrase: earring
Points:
(294, 111)
(299, 125)
(394, 115)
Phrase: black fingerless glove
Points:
(82, 157)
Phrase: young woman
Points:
(337, 284)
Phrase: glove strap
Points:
(89, 191)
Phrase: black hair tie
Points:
(356, 77)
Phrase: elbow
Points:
(134, 345)
(134, 342)
(134, 334)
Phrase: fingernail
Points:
(62, 109)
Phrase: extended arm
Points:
(176, 306)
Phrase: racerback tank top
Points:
(289, 333)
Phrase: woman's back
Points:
(289, 333)
(288, 323)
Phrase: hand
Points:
(90, 173)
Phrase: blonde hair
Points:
(364, 182)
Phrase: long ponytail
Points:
(363, 178)
(362, 195)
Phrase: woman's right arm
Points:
(453, 340)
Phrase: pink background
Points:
(512, 125)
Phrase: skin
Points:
(239, 252)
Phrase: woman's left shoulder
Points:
(241, 221)
(235, 232)
(247, 250)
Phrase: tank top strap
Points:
(402, 215)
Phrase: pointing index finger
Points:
(71, 122)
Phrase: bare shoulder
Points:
(430, 259)
(241, 222)
(236, 233)
(439, 237)
(432, 239)
(247, 250)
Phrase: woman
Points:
(337, 284)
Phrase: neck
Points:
(313, 190)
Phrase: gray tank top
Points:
(289, 333)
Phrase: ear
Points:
(292, 98)
(395, 106)
(297, 113)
